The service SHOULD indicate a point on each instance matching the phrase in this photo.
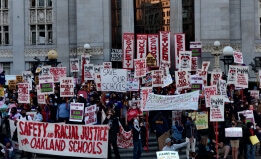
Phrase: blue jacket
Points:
(177, 133)
(63, 111)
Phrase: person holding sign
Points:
(190, 134)
(173, 147)
(234, 142)
(63, 111)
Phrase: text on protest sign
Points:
(209, 91)
(45, 71)
(238, 57)
(195, 47)
(165, 46)
(179, 46)
(187, 101)
(242, 76)
(249, 116)
(141, 46)
(97, 79)
(88, 72)
(23, 93)
(232, 75)
(194, 64)
(90, 114)
(11, 85)
(233, 132)
(107, 65)
(46, 84)
(113, 80)
(201, 121)
(215, 76)
(63, 139)
(40, 96)
(185, 60)
(27, 78)
(133, 84)
(182, 80)
(124, 138)
(74, 65)
(217, 108)
(66, 87)
(128, 50)
(76, 112)
(153, 46)
(140, 67)
(116, 54)
(144, 94)
(167, 155)
(58, 72)
(157, 78)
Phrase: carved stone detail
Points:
(208, 48)
(95, 50)
(6, 53)
(37, 52)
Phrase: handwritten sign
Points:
(66, 87)
(157, 78)
(215, 76)
(58, 72)
(113, 80)
(74, 65)
(242, 76)
(238, 57)
(76, 112)
(133, 84)
(182, 80)
(140, 67)
(167, 155)
(90, 114)
(233, 132)
(185, 60)
(217, 108)
(209, 91)
(88, 72)
(23, 93)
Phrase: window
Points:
(5, 66)
(4, 23)
(41, 22)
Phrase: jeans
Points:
(190, 146)
(251, 151)
(137, 149)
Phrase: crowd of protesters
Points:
(123, 108)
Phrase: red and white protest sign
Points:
(238, 57)
(124, 138)
(45, 71)
(215, 76)
(128, 50)
(242, 76)
(40, 96)
(179, 46)
(140, 67)
(144, 95)
(254, 93)
(97, 80)
(66, 87)
(74, 65)
(209, 91)
(232, 75)
(217, 108)
(88, 72)
(204, 71)
(63, 139)
(107, 65)
(182, 80)
(157, 78)
(58, 72)
(90, 115)
(23, 93)
(153, 46)
(141, 46)
(194, 63)
(76, 112)
(205, 65)
(176, 117)
(165, 46)
(27, 78)
(86, 58)
(185, 60)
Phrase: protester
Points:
(205, 149)
(63, 111)
(173, 147)
(38, 116)
(242, 142)
(132, 113)
(234, 142)
(8, 150)
(137, 144)
(177, 132)
(190, 136)
(2, 78)
(251, 149)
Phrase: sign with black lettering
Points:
(242, 76)
(116, 54)
(113, 80)
(217, 108)
(182, 80)
(66, 87)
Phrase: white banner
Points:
(113, 80)
(242, 76)
(76, 112)
(140, 67)
(133, 84)
(128, 50)
(217, 108)
(179, 40)
(141, 46)
(90, 115)
(66, 87)
(209, 91)
(144, 95)
(215, 76)
(74, 65)
(88, 141)
(157, 78)
(187, 101)
(88, 72)
(238, 57)
(185, 60)
(232, 75)
(167, 155)
(165, 46)
(23, 93)
(182, 80)
(233, 132)
(153, 46)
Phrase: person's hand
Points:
(191, 140)
(141, 124)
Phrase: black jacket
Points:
(113, 122)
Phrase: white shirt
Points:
(174, 146)
(24, 118)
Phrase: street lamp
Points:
(87, 48)
(228, 59)
(216, 53)
(86, 56)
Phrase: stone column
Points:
(127, 16)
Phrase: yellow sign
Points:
(19, 79)
(11, 85)
(150, 60)
(201, 121)
(2, 92)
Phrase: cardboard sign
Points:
(2, 92)
(194, 64)
(182, 80)
(238, 57)
(167, 155)
(217, 108)
(141, 46)
(128, 50)
(195, 47)
(187, 101)
(23, 93)
(209, 91)
(40, 97)
(11, 85)
(74, 65)
(114, 80)
(58, 72)
(185, 60)
(97, 80)
(242, 76)
(196, 83)
(176, 117)
(165, 46)
(53, 139)
(116, 54)
(86, 58)
(76, 112)
(66, 87)
(45, 71)
(153, 47)
(215, 77)
(179, 40)
(233, 132)
(88, 72)
(144, 95)
(232, 75)
(157, 78)
(201, 121)
(90, 114)
(46, 84)
(140, 67)
(27, 78)
(151, 61)
(133, 84)
(19, 79)
(107, 65)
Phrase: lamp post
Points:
(87, 48)
(228, 57)
(216, 53)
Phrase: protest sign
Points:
(153, 47)
(249, 116)
(88, 72)
(238, 57)
(90, 115)
(66, 87)
(233, 132)
(144, 95)
(194, 64)
(2, 91)
(45, 71)
(167, 155)
(187, 101)
(195, 47)
(116, 54)
(182, 80)
(167, 80)
(254, 93)
(147, 80)
(23, 93)
(185, 60)
(232, 75)
(165, 46)
(140, 67)
(11, 85)
(97, 68)
(74, 65)
(124, 138)
(46, 84)
(86, 58)
(242, 76)
(209, 91)
(40, 96)
(97, 80)
(179, 45)
(201, 121)
(196, 83)
(151, 61)
(128, 50)
(89, 141)
(215, 76)
(217, 108)
(76, 112)
(176, 117)
(205, 65)
(58, 72)
(157, 78)
(107, 65)
(114, 80)
(19, 79)
(222, 89)
(27, 78)
(141, 46)
(133, 84)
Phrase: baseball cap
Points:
(167, 140)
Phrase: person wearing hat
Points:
(173, 147)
